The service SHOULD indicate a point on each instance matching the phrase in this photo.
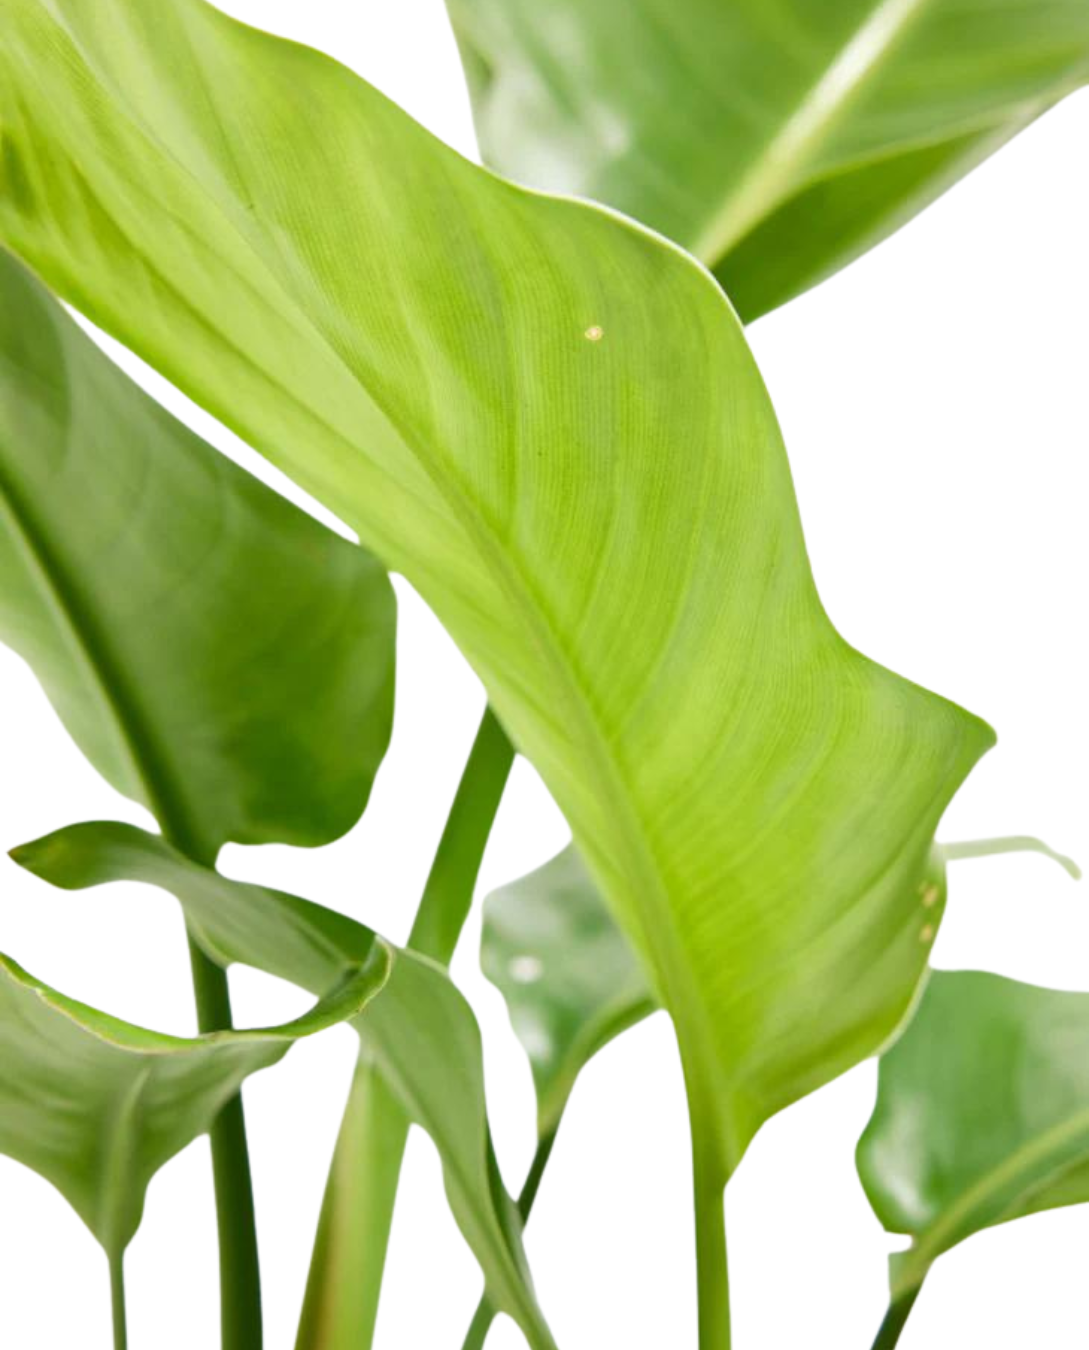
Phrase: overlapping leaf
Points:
(97, 1105)
(550, 421)
(420, 1036)
(982, 1116)
(776, 141)
(571, 980)
(217, 654)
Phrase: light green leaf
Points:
(97, 1106)
(420, 1036)
(569, 976)
(982, 1116)
(549, 420)
(776, 141)
(217, 654)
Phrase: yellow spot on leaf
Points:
(594, 333)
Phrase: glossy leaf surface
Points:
(548, 420)
(216, 653)
(569, 976)
(97, 1105)
(776, 141)
(982, 1115)
(420, 1035)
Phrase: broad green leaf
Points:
(217, 654)
(982, 1116)
(571, 980)
(569, 976)
(97, 1106)
(420, 1035)
(549, 420)
(776, 141)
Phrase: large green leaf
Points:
(982, 1116)
(571, 980)
(420, 1036)
(550, 421)
(97, 1106)
(778, 141)
(216, 653)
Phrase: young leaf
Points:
(216, 653)
(420, 1036)
(777, 143)
(97, 1106)
(549, 420)
(982, 1116)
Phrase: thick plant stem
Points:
(239, 1273)
(896, 1319)
(712, 1272)
(341, 1304)
(485, 1313)
(117, 1302)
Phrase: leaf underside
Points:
(549, 420)
(97, 1105)
(419, 1034)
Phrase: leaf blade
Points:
(751, 135)
(605, 523)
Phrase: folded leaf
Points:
(97, 1106)
(982, 1116)
(776, 142)
(549, 420)
(420, 1035)
(216, 653)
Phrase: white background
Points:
(935, 399)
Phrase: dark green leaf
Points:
(776, 141)
(217, 654)
(982, 1115)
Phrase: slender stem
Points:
(895, 1320)
(485, 1313)
(117, 1301)
(448, 895)
(341, 1305)
(239, 1273)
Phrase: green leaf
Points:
(777, 142)
(97, 1106)
(549, 420)
(982, 1116)
(420, 1036)
(569, 976)
(571, 981)
(216, 653)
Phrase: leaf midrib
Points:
(91, 650)
(773, 176)
(652, 901)
(936, 1239)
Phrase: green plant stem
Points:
(239, 1272)
(896, 1319)
(712, 1271)
(341, 1305)
(485, 1313)
(117, 1302)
